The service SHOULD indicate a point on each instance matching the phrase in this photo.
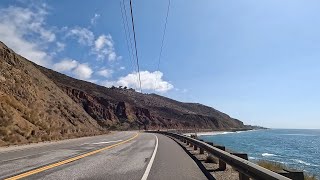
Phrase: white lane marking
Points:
(146, 173)
(107, 142)
(103, 142)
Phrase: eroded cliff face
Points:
(110, 114)
(33, 108)
(125, 109)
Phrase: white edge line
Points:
(146, 173)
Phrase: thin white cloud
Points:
(26, 32)
(17, 23)
(65, 65)
(94, 19)
(60, 46)
(104, 48)
(149, 81)
(122, 68)
(102, 41)
(95, 81)
(83, 35)
(105, 73)
(108, 83)
(80, 71)
(83, 71)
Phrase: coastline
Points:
(213, 133)
(261, 147)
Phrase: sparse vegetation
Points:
(275, 166)
(29, 104)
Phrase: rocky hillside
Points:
(119, 108)
(33, 108)
(38, 104)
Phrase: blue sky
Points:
(257, 61)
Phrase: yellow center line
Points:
(35, 171)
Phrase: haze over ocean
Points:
(296, 148)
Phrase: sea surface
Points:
(298, 149)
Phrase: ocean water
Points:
(299, 149)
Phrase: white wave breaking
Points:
(268, 154)
(209, 133)
(212, 133)
(305, 163)
(311, 135)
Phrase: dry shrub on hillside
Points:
(275, 166)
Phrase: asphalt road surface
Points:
(120, 155)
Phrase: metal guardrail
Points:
(244, 166)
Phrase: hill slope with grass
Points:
(39, 104)
(33, 108)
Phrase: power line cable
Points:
(127, 26)
(130, 39)
(162, 42)
(164, 34)
(130, 51)
(135, 45)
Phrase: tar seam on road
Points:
(22, 157)
(146, 173)
(38, 170)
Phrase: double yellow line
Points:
(38, 170)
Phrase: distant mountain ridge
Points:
(84, 108)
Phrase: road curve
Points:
(121, 155)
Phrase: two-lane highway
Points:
(121, 155)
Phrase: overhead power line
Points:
(163, 35)
(162, 42)
(128, 35)
(135, 45)
(130, 40)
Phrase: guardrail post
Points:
(243, 156)
(222, 164)
(294, 175)
(188, 143)
(195, 147)
(201, 151)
